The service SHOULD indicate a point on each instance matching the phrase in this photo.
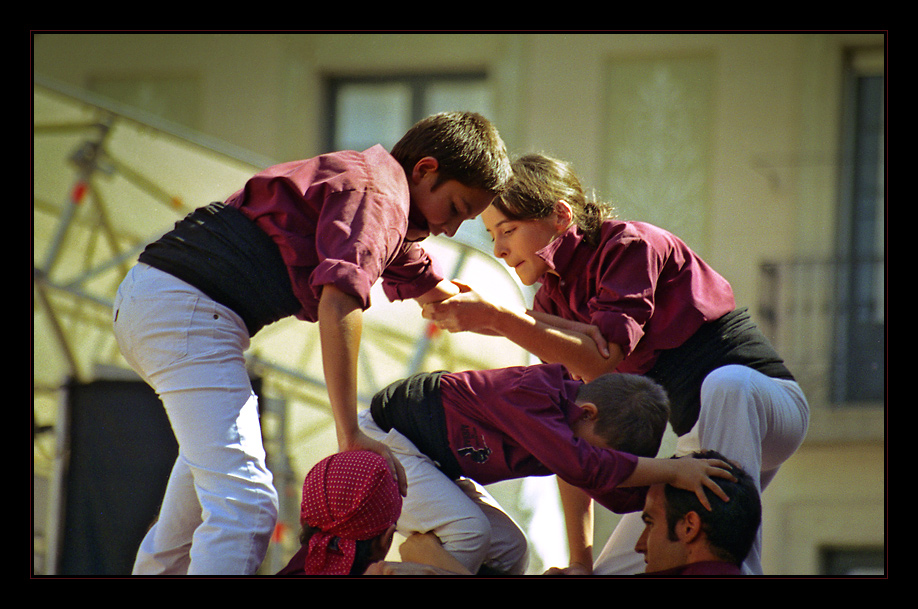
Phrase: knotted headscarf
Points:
(348, 496)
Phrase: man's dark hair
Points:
(632, 412)
(730, 526)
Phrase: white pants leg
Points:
(220, 505)
(468, 521)
(754, 420)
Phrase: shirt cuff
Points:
(347, 277)
(620, 329)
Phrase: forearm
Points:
(578, 520)
(558, 322)
(426, 549)
(556, 343)
(651, 471)
(340, 328)
(580, 347)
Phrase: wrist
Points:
(349, 437)
(502, 320)
(580, 568)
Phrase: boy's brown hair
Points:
(466, 145)
(632, 411)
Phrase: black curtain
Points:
(121, 452)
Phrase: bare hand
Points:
(365, 442)
(464, 312)
(601, 343)
(698, 474)
(426, 549)
(418, 546)
(574, 569)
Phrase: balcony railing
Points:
(827, 318)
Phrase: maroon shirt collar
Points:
(707, 567)
(559, 253)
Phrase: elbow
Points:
(337, 303)
(599, 365)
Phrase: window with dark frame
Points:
(853, 561)
(368, 110)
(859, 366)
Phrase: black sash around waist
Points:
(225, 255)
(414, 408)
(732, 339)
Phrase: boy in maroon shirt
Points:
(455, 432)
(307, 239)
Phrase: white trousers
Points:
(220, 505)
(754, 420)
(464, 516)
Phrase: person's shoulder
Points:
(383, 172)
(637, 237)
(614, 228)
(373, 169)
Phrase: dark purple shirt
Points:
(341, 219)
(516, 422)
(700, 569)
(642, 287)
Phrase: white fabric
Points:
(220, 505)
(465, 517)
(754, 420)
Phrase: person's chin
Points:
(524, 277)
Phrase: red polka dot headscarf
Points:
(348, 496)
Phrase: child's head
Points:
(467, 148)
(539, 183)
(456, 163)
(350, 506)
(625, 412)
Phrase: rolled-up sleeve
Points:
(626, 284)
(362, 242)
(642, 287)
(413, 273)
(340, 219)
(361, 235)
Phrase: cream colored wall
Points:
(826, 496)
(772, 191)
(757, 98)
(262, 92)
(240, 76)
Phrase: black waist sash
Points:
(732, 339)
(414, 408)
(225, 255)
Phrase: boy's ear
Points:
(424, 166)
(589, 410)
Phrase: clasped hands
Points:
(467, 311)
